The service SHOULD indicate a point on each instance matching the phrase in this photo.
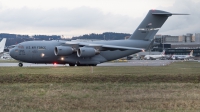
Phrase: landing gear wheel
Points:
(20, 64)
(78, 64)
(71, 64)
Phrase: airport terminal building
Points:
(180, 45)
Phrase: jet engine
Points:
(63, 50)
(87, 52)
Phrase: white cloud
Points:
(78, 17)
(178, 25)
(62, 21)
(124, 7)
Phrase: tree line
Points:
(13, 39)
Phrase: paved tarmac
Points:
(128, 63)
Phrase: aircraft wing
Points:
(121, 48)
(103, 47)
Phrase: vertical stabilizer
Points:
(163, 53)
(2, 44)
(151, 24)
(191, 53)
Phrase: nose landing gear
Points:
(20, 64)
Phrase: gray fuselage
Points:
(43, 52)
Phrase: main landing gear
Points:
(20, 64)
(78, 64)
(86, 64)
(70, 64)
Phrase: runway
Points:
(128, 63)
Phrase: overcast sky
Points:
(78, 17)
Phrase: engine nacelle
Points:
(87, 52)
(63, 50)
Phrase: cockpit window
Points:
(20, 46)
(12, 46)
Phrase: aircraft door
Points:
(34, 55)
(27, 55)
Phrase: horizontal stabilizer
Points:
(168, 14)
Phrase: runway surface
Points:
(128, 63)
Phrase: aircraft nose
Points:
(12, 52)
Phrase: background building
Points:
(178, 44)
(197, 38)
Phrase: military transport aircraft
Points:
(91, 53)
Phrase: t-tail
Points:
(151, 24)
